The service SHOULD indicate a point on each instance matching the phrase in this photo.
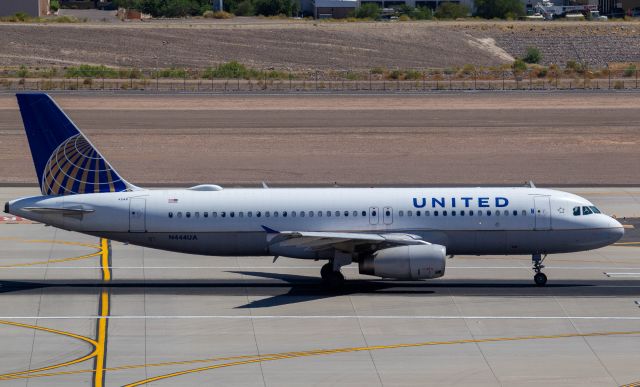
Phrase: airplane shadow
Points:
(276, 289)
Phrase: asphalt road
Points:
(435, 139)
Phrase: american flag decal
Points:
(173, 200)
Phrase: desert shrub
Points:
(533, 55)
(217, 15)
(87, 81)
(468, 69)
(22, 72)
(172, 73)
(89, 71)
(412, 74)
(630, 71)
(519, 66)
(404, 18)
(377, 70)
(417, 13)
(618, 85)
(501, 9)
(367, 11)
(452, 11)
(542, 72)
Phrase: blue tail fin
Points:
(66, 162)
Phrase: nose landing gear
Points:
(539, 278)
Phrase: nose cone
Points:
(6, 207)
(614, 230)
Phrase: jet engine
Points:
(406, 262)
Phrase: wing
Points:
(343, 241)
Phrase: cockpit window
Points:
(576, 211)
(595, 210)
(586, 211)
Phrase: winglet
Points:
(269, 230)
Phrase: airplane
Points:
(392, 233)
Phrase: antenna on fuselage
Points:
(530, 184)
(264, 185)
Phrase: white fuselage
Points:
(213, 221)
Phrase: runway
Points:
(78, 311)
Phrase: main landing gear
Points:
(332, 278)
(539, 278)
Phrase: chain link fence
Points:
(376, 80)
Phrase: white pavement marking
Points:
(622, 275)
(329, 317)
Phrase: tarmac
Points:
(79, 311)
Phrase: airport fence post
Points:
(530, 81)
(557, 81)
(265, 81)
(369, 79)
(238, 83)
(636, 78)
(475, 80)
(450, 84)
(424, 80)
(316, 80)
(157, 80)
(290, 83)
(103, 83)
(77, 83)
(225, 84)
(609, 73)
(184, 82)
(502, 79)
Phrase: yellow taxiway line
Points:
(103, 324)
(78, 258)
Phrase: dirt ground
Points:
(308, 45)
(458, 138)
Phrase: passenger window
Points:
(232, 214)
(524, 212)
(206, 214)
(311, 214)
(267, 214)
(355, 213)
(293, 214)
(461, 212)
(409, 213)
(401, 213)
(346, 213)
(275, 214)
(250, 214)
(435, 213)
(479, 212)
(497, 212)
(444, 213)
(586, 211)
(470, 212)
(388, 213)
(329, 214)
(258, 214)
(576, 211)
(171, 214)
(373, 213)
(179, 214)
(197, 214)
(214, 214)
(188, 214)
(418, 212)
(364, 213)
(453, 213)
(515, 212)
(427, 213)
(302, 214)
(488, 212)
(337, 213)
(319, 213)
(284, 214)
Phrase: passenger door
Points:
(137, 215)
(542, 213)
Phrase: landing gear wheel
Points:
(334, 279)
(540, 279)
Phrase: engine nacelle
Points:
(406, 262)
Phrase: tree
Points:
(244, 8)
(274, 7)
(367, 11)
(452, 11)
(501, 9)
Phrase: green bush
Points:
(572, 65)
(167, 8)
(501, 9)
(275, 7)
(419, 13)
(217, 15)
(54, 5)
(367, 11)
(244, 8)
(533, 55)
(452, 11)
(23, 72)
